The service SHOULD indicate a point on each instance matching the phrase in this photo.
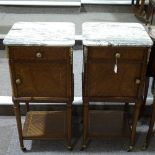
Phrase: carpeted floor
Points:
(9, 144)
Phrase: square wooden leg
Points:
(19, 124)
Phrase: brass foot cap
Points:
(145, 146)
(130, 149)
(70, 148)
(83, 147)
(23, 149)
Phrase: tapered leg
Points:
(152, 121)
(85, 122)
(132, 2)
(149, 12)
(69, 125)
(146, 87)
(27, 106)
(137, 2)
(126, 107)
(19, 124)
(134, 124)
(152, 15)
(141, 9)
(152, 88)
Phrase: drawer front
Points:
(126, 53)
(40, 80)
(104, 82)
(38, 53)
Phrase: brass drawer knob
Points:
(117, 55)
(137, 81)
(38, 55)
(18, 81)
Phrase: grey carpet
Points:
(9, 144)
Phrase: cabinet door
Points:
(40, 79)
(105, 81)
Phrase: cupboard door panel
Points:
(41, 80)
(104, 82)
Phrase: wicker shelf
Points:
(44, 125)
(108, 124)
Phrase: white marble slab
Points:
(115, 34)
(41, 34)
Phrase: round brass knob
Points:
(137, 81)
(38, 55)
(18, 81)
(117, 55)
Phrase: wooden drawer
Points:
(110, 52)
(38, 53)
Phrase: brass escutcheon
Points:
(137, 81)
(38, 55)
(18, 81)
(117, 55)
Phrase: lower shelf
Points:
(108, 124)
(45, 125)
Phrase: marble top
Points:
(41, 34)
(115, 34)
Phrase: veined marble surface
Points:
(115, 34)
(41, 34)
